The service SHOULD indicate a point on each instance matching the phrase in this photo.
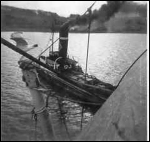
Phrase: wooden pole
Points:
(89, 27)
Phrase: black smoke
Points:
(105, 12)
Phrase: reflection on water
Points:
(109, 57)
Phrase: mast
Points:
(53, 31)
(52, 41)
(89, 27)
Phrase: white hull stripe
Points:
(63, 38)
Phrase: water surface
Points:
(109, 57)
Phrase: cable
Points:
(130, 68)
(48, 47)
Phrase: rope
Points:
(42, 109)
(36, 112)
(130, 68)
(48, 47)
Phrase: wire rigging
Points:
(130, 68)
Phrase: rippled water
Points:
(109, 57)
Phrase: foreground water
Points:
(109, 57)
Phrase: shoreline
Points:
(75, 32)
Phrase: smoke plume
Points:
(103, 14)
(107, 10)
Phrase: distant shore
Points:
(81, 32)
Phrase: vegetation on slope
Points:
(28, 20)
(115, 16)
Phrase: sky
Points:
(62, 8)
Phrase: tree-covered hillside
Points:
(29, 20)
(114, 16)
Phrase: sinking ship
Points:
(64, 75)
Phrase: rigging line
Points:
(48, 47)
(130, 67)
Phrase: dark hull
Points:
(90, 97)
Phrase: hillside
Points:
(113, 17)
(28, 20)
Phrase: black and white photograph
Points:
(74, 70)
